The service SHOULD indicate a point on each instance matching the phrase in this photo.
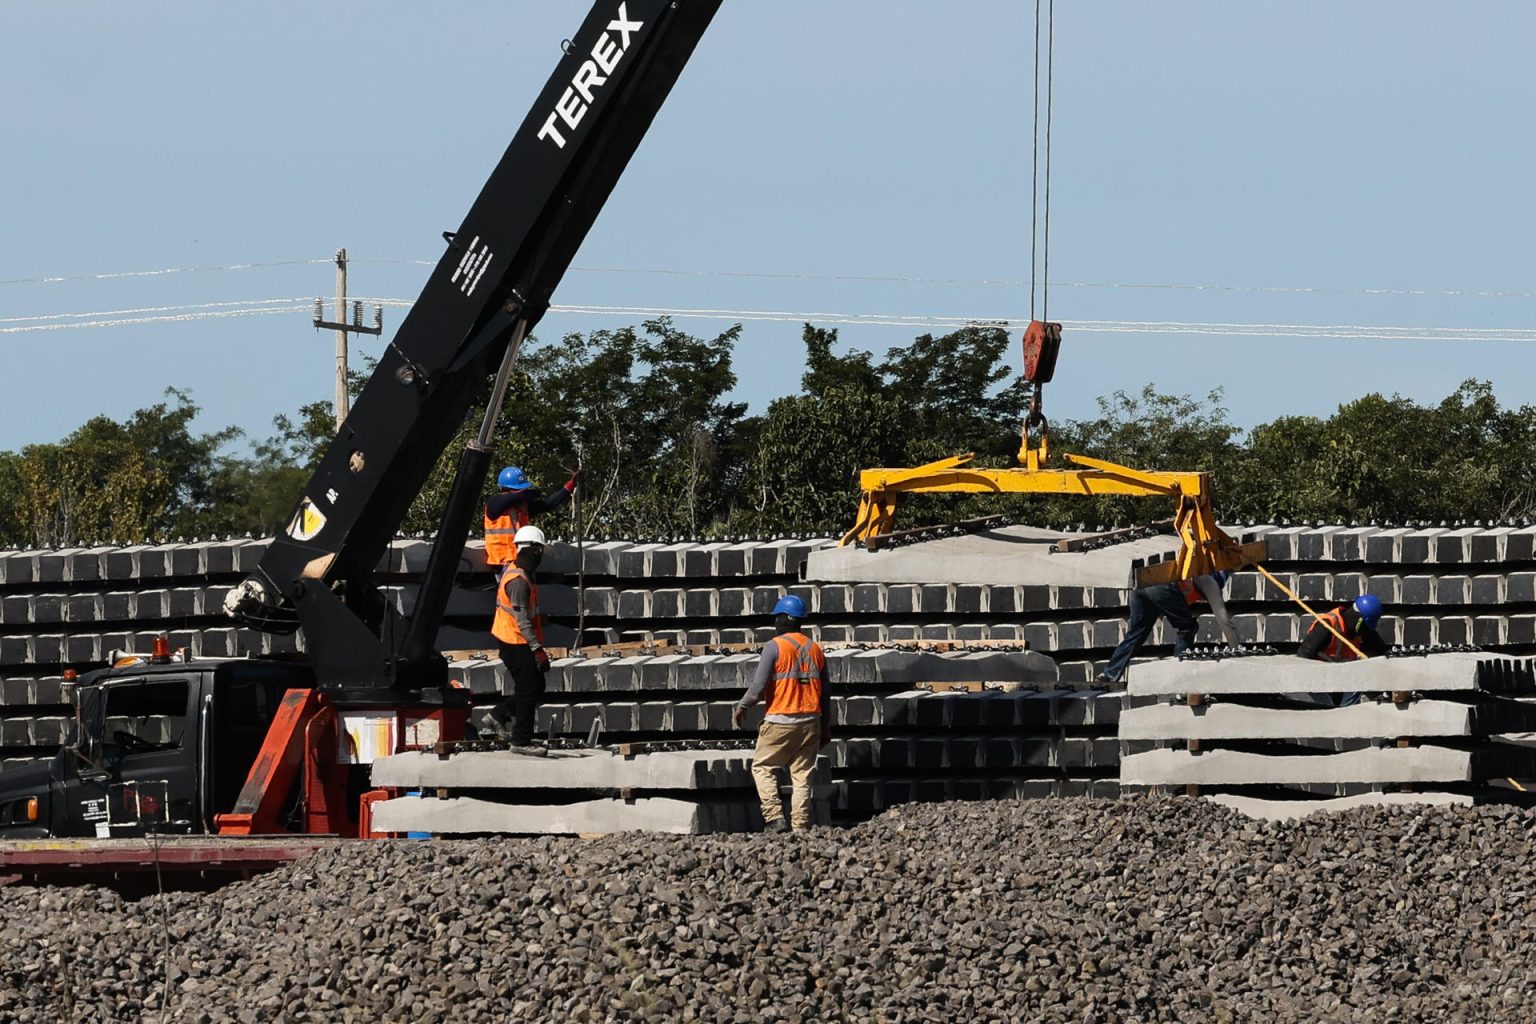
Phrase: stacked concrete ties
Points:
(1000, 704)
(583, 792)
(1264, 734)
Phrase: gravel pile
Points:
(1167, 909)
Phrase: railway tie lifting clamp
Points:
(1203, 546)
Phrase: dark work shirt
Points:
(498, 505)
(1368, 640)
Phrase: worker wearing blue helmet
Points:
(791, 679)
(1357, 621)
(513, 507)
(1177, 602)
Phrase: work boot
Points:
(776, 825)
(495, 728)
(528, 749)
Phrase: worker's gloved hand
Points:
(575, 481)
(738, 716)
(541, 659)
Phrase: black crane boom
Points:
(494, 282)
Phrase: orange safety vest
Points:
(504, 627)
(1191, 592)
(1336, 651)
(796, 686)
(499, 547)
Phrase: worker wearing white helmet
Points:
(520, 629)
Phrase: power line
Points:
(267, 307)
(164, 271)
(128, 321)
(1335, 331)
(1009, 282)
(144, 309)
(990, 282)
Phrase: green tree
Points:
(937, 397)
(1393, 459)
(959, 394)
(92, 487)
(147, 477)
(12, 533)
(825, 371)
(805, 474)
(1274, 475)
(644, 412)
(162, 434)
(256, 494)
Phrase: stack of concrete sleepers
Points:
(68, 609)
(576, 791)
(908, 724)
(1264, 732)
(72, 608)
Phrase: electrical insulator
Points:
(319, 310)
(357, 314)
(378, 317)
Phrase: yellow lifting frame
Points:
(1204, 547)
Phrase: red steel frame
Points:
(301, 747)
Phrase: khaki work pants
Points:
(786, 746)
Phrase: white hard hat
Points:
(529, 535)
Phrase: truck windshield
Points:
(146, 716)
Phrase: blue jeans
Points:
(1161, 599)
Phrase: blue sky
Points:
(1318, 168)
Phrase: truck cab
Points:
(156, 746)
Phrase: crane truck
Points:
(257, 746)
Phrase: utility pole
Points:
(342, 329)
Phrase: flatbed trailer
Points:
(140, 867)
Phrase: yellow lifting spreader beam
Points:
(1203, 548)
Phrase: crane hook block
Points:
(1041, 343)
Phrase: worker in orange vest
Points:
(1357, 621)
(1177, 603)
(520, 629)
(791, 679)
(513, 507)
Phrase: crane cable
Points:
(1040, 207)
(1034, 172)
(1040, 341)
(1050, 79)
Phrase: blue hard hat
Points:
(1368, 607)
(512, 479)
(790, 605)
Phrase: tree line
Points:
(645, 411)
